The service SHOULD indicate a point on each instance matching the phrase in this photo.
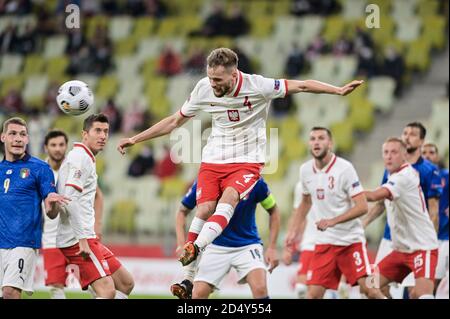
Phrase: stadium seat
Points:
(143, 28)
(428, 7)
(323, 68)
(56, 67)
(11, 83)
(408, 28)
(107, 86)
(125, 46)
(353, 9)
(130, 93)
(120, 27)
(173, 188)
(418, 55)
(55, 46)
(10, 65)
(404, 9)
(343, 136)
(261, 26)
(34, 64)
(345, 69)
(361, 115)
(381, 93)
(34, 89)
(434, 30)
(310, 27)
(122, 218)
(334, 28)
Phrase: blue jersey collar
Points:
(26, 158)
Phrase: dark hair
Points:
(395, 139)
(14, 120)
(222, 57)
(89, 121)
(54, 134)
(423, 130)
(321, 128)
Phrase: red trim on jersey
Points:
(78, 188)
(331, 165)
(88, 151)
(401, 168)
(219, 219)
(286, 86)
(356, 195)
(181, 113)
(238, 85)
(390, 193)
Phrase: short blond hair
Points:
(14, 120)
(222, 57)
(394, 139)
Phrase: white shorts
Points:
(384, 249)
(17, 268)
(442, 265)
(217, 261)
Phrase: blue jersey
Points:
(241, 229)
(25, 183)
(430, 182)
(443, 207)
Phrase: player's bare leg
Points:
(104, 288)
(315, 292)
(11, 292)
(123, 282)
(202, 290)
(257, 280)
(373, 292)
(424, 289)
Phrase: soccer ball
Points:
(74, 97)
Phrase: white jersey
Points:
(238, 119)
(78, 171)
(311, 232)
(411, 226)
(50, 225)
(331, 190)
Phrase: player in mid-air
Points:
(76, 236)
(413, 136)
(234, 155)
(331, 184)
(238, 247)
(430, 152)
(26, 181)
(55, 263)
(414, 239)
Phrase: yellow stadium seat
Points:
(125, 46)
(434, 30)
(34, 64)
(11, 83)
(418, 55)
(343, 136)
(168, 27)
(122, 219)
(107, 87)
(261, 26)
(172, 188)
(362, 115)
(334, 29)
(143, 28)
(428, 7)
(56, 67)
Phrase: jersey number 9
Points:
(6, 185)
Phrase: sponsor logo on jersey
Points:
(277, 85)
(320, 193)
(24, 172)
(233, 115)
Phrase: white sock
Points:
(57, 293)
(190, 270)
(215, 225)
(300, 290)
(426, 297)
(92, 291)
(100, 298)
(120, 295)
(195, 228)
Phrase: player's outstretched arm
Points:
(180, 224)
(271, 254)
(163, 127)
(374, 212)
(360, 208)
(313, 86)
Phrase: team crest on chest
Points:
(24, 172)
(320, 193)
(233, 115)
